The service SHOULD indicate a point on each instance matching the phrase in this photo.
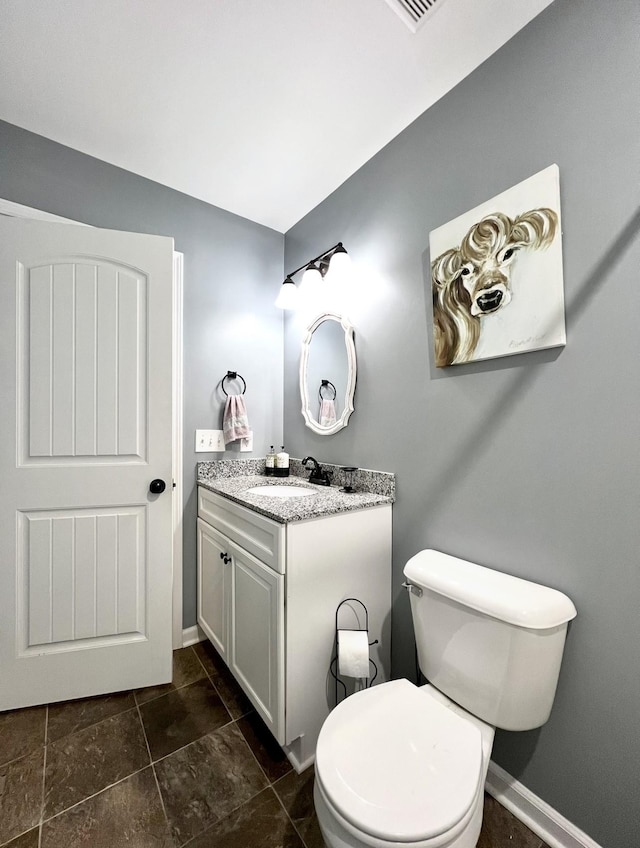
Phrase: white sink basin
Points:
(279, 491)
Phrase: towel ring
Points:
(233, 375)
(325, 384)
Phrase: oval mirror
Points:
(328, 374)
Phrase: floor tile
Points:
(232, 695)
(71, 716)
(260, 823)
(92, 759)
(269, 754)
(501, 829)
(187, 668)
(21, 732)
(20, 795)
(27, 840)
(296, 793)
(129, 813)
(182, 716)
(207, 780)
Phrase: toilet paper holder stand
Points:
(333, 665)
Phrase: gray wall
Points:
(232, 270)
(530, 463)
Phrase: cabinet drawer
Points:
(257, 534)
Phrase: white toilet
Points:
(401, 765)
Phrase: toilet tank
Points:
(492, 642)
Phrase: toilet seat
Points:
(397, 765)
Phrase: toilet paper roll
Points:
(353, 653)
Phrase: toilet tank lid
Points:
(502, 596)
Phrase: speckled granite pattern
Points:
(364, 480)
(326, 500)
(219, 468)
(373, 482)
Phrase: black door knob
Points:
(157, 486)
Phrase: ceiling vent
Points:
(414, 12)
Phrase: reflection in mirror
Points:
(327, 371)
(328, 374)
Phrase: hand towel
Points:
(235, 422)
(327, 413)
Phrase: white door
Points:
(85, 426)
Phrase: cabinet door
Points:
(257, 640)
(214, 586)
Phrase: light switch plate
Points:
(209, 441)
(246, 444)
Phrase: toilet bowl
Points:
(401, 765)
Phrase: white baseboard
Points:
(535, 813)
(192, 635)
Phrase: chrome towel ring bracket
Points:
(326, 384)
(233, 375)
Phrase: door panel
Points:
(86, 575)
(80, 577)
(257, 640)
(81, 380)
(214, 587)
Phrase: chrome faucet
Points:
(318, 475)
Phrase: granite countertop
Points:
(327, 500)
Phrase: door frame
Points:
(17, 210)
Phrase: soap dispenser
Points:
(270, 463)
(282, 463)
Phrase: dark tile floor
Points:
(186, 764)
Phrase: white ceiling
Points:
(261, 107)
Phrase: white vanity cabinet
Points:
(241, 601)
(267, 598)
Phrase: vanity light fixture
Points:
(335, 259)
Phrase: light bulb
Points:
(311, 282)
(311, 277)
(340, 262)
(288, 295)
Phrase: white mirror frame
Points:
(351, 376)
